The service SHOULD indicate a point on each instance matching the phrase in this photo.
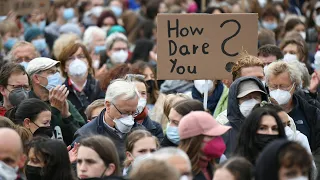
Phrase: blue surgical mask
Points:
(40, 44)
(97, 49)
(54, 80)
(10, 43)
(116, 10)
(24, 64)
(173, 134)
(270, 26)
(68, 13)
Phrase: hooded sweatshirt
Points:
(235, 116)
(267, 166)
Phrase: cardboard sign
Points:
(203, 46)
(23, 7)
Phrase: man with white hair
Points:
(283, 79)
(116, 120)
(177, 158)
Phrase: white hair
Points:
(114, 37)
(279, 67)
(305, 76)
(169, 152)
(121, 88)
(89, 33)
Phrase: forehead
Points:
(140, 86)
(24, 51)
(180, 163)
(119, 44)
(18, 79)
(283, 78)
(174, 115)
(79, 51)
(145, 143)
(127, 105)
(290, 47)
(252, 71)
(283, 116)
(268, 120)
(86, 152)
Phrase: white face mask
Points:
(124, 124)
(77, 68)
(303, 35)
(8, 172)
(316, 63)
(141, 105)
(119, 56)
(200, 85)
(247, 106)
(281, 96)
(96, 64)
(299, 178)
(290, 57)
(282, 15)
(289, 133)
(317, 20)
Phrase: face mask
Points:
(247, 106)
(316, 64)
(54, 80)
(24, 64)
(303, 35)
(214, 148)
(282, 16)
(33, 173)
(40, 44)
(116, 10)
(16, 96)
(270, 26)
(289, 133)
(201, 84)
(124, 124)
(96, 64)
(262, 3)
(68, 14)
(262, 140)
(77, 68)
(299, 178)
(151, 84)
(7, 172)
(119, 56)
(281, 96)
(97, 49)
(45, 131)
(141, 105)
(290, 57)
(317, 20)
(10, 43)
(173, 134)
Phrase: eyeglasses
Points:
(25, 87)
(282, 87)
(134, 77)
(22, 59)
(119, 49)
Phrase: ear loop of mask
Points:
(102, 175)
(34, 124)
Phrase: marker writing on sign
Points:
(183, 49)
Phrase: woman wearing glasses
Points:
(141, 115)
(76, 67)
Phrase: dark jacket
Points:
(90, 92)
(167, 143)
(154, 128)
(200, 175)
(97, 127)
(311, 98)
(235, 117)
(68, 125)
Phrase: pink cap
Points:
(200, 123)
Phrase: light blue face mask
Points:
(40, 44)
(68, 13)
(54, 80)
(24, 64)
(10, 43)
(97, 49)
(173, 134)
(116, 10)
(270, 26)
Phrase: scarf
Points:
(139, 119)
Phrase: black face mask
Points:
(262, 140)
(151, 84)
(33, 173)
(44, 132)
(16, 96)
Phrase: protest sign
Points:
(23, 7)
(203, 46)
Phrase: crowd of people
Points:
(80, 98)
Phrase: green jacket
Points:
(223, 102)
(67, 125)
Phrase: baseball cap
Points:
(40, 64)
(247, 87)
(200, 123)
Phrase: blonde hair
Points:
(95, 104)
(245, 60)
(11, 56)
(63, 41)
(280, 67)
(7, 26)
